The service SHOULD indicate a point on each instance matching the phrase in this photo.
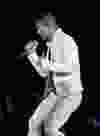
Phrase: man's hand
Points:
(44, 66)
(30, 47)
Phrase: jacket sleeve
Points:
(76, 79)
(75, 60)
(38, 63)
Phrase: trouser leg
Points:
(61, 113)
(40, 114)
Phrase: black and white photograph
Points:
(49, 91)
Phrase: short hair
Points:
(45, 18)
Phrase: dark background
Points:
(26, 87)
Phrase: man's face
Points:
(42, 31)
(45, 32)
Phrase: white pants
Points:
(53, 112)
(41, 114)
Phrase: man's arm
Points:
(39, 64)
(36, 61)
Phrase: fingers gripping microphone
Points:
(31, 45)
(28, 49)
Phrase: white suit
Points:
(54, 111)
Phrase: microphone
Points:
(28, 49)
(31, 45)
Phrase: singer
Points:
(58, 105)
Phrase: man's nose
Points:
(39, 31)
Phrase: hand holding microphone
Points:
(29, 48)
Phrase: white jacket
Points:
(64, 54)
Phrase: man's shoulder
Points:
(69, 41)
(61, 32)
(65, 38)
(62, 36)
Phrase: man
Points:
(57, 107)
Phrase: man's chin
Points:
(44, 38)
